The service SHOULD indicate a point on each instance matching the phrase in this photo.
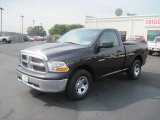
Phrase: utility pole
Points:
(131, 24)
(1, 19)
(22, 26)
(33, 23)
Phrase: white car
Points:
(5, 39)
(154, 46)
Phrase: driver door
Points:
(110, 59)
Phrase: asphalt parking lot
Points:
(113, 98)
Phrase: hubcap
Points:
(81, 85)
(136, 69)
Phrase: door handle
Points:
(101, 60)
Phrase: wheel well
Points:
(4, 39)
(139, 57)
(86, 67)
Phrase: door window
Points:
(109, 36)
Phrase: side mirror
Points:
(106, 45)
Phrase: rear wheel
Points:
(79, 84)
(9, 42)
(135, 70)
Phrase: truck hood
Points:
(53, 50)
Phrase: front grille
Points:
(33, 63)
(24, 57)
(38, 68)
(36, 60)
(24, 64)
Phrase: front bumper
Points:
(154, 49)
(43, 85)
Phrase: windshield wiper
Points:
(72, 43)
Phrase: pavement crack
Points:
(8, 114)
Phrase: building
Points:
(145, 25)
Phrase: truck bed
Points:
(135, 49)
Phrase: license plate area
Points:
(24, 78)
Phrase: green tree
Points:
(60, 29)
(37, 30)
(75, 26)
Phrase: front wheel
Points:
(79, 84)
(135, 70)
(4, 41)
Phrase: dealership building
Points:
(141, 25)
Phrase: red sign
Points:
(152, 22)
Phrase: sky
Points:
(51, 12)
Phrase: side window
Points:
(109, 36)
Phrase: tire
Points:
(79, 84)
(135, 70)
(4, 41)
(9, 42)
(150, 52)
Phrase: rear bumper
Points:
(43, 85)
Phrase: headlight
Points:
(56, 66)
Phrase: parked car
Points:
(154, 46)
(31, 38)
(137, 38)
(78, 58)
(26, 38)
(38, 38)
(5, 39)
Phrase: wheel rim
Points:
(81, 85)
(137, 69)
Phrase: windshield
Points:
(82, 37)
(157, 40)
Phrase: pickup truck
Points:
(77, 59)
(5, 39)
(154, 46)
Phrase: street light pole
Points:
(1, 19)
(33, 22)
(131, 24)
(22, 25)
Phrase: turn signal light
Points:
(62, 69)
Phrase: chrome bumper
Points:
(43, 85)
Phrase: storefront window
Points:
(152, 34)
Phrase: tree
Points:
(60, 29)
(37, 30)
